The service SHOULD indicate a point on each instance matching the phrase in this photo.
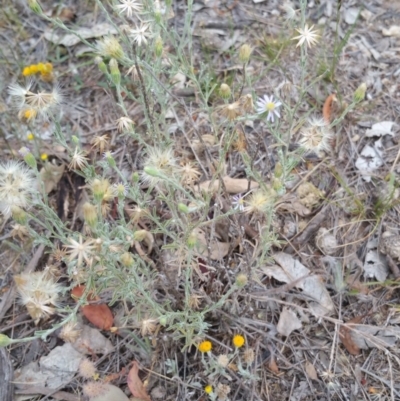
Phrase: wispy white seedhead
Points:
(260, 201)
(267, 105)
(124, 124)
(129, 7)
(109, 47)
(17, 185)
(80, 251)
(39, 293)
(78, 159)
(33, 103)
(158, 163)
(307, 35)
(316, 136)
(141, 34)
(189, 173)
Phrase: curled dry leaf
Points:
(346, 337)
(135, 384)
(327, 108)
(51, 175)
(218, 250)
(288, 322)
(99, 315)
(232, 185)
(311, 372)
(292, 271)
(91, 341)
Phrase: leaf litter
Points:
(301, 287)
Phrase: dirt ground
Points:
(342, 228)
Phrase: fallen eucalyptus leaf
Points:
(232, 185)
(288, 322)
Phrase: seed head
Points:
(17, 185)
(94, 389)
(316, 136)
(100, 142)
(158, 162)
(231, 111)
(248, 356)
(109, 47)
(87, 369)
(188, 173)
(79, 250)
(222, 391)
(141, 34)
(129, 7)
(124, 124)
(39, 293)
(78, 160)
(223, 360)
(241, 280)
(90, 214)
(307, 35)
(259, 201)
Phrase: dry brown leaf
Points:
(218, 250)
(272, 366)
(135, 384)
(347, 340)
(232, 185)
(51, 175)
(288, 322)
(99, 314)
(311, 372)
(91, 341)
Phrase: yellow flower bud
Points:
(245, 53)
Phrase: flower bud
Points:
(241, 280)
(359, 94)
(158, 46)
(19, 215)
(5, 340)
(99, 188)
(140, 235)
(127, 259)
(110, 159)
(90, 214)
(35, 7)
(183, 208)
(152, 171)
(75, 140)
(101, 64)
(245, 53)
(28, 157)
(163, 320)
(115, 73)
(192, 240)
(135, 177)
(225, 91)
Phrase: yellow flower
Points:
(26, 71)
(44, 156)
(30, 137)
(29, 114)
(208, 389)
(205, 346)
(41, 67)
(34, 68)
(238, 340)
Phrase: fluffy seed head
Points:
(109, 47)
(259, 201)
(223, 360)
(248, 356)
(222, 391)
(87, 369)
(161, 161)
(231, 111)
(39, 293)
(94, 389)
(316, 136)
(17, 185)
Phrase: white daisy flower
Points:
(129, 7)
(238, 202)
(267, 104)
(141, 34)
(306, 35)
